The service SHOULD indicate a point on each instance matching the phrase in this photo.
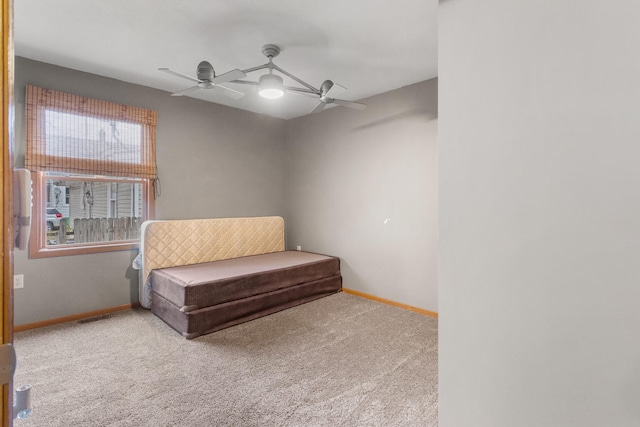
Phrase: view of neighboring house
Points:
(85, 200)
(80, 199)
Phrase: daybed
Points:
(200, 276)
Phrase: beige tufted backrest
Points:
(183, 242)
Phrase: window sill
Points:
(92, 248)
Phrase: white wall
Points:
(362, 185)
(539, 141)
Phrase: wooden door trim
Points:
(6, 181)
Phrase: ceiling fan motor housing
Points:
(324, 88)
(205, 71)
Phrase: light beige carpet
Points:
(338, 361)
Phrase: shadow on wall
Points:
(132, 275)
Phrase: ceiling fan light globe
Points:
(270, 86)
(271, 93)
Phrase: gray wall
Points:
(214, 161)
(540, 213)
(359, 185)
(362, 185)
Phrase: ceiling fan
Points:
(207, 79)
(269, 85)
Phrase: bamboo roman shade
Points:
(75, 134)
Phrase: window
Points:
(93, 169)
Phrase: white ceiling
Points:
(368, 46)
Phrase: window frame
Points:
(72, 158)
(37, 237)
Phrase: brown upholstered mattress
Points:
(203, 321)
(191, 287)
(202, 298)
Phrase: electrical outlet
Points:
(18, 281)
(298, 248)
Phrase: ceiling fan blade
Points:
(307, 94)
(350, 104)
(175, 73)
(232, 93)
(227, 77)
(185, 91)
(319, 107)
(336, 90)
